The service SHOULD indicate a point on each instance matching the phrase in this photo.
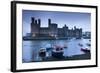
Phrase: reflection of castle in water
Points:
(52, 30)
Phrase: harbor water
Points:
(30, 50)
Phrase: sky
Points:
(71, 19)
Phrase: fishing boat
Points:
(80, 44)
(48, 47)
(86, 50)
(57, 52)
(65, 46)
(42, 52)
(88, 44)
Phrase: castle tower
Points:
(33, 20)
(35, 26)
(39, 22)
(49, 21)
(52, 28)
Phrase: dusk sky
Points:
(71, 19)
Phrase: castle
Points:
(52, 30)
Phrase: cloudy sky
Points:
(71, 19)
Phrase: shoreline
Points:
(50, 38)
(47, 38)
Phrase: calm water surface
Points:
(31, 48)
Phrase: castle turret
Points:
(35, 26)
(36, 22)
(39, 22)
(52, 28)
(65, 31)
(49, 21)
(33, 20)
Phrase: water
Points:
(31, 48)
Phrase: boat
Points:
(85, 50)
(80, 44)
(65, 46)
(88, 44)
(49, 48)
(57, 52)
(42, 52)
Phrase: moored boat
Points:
(85, 50)
(88, 44)
(42, 52)
(65, 46)
(57, 52)
(80, 44)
